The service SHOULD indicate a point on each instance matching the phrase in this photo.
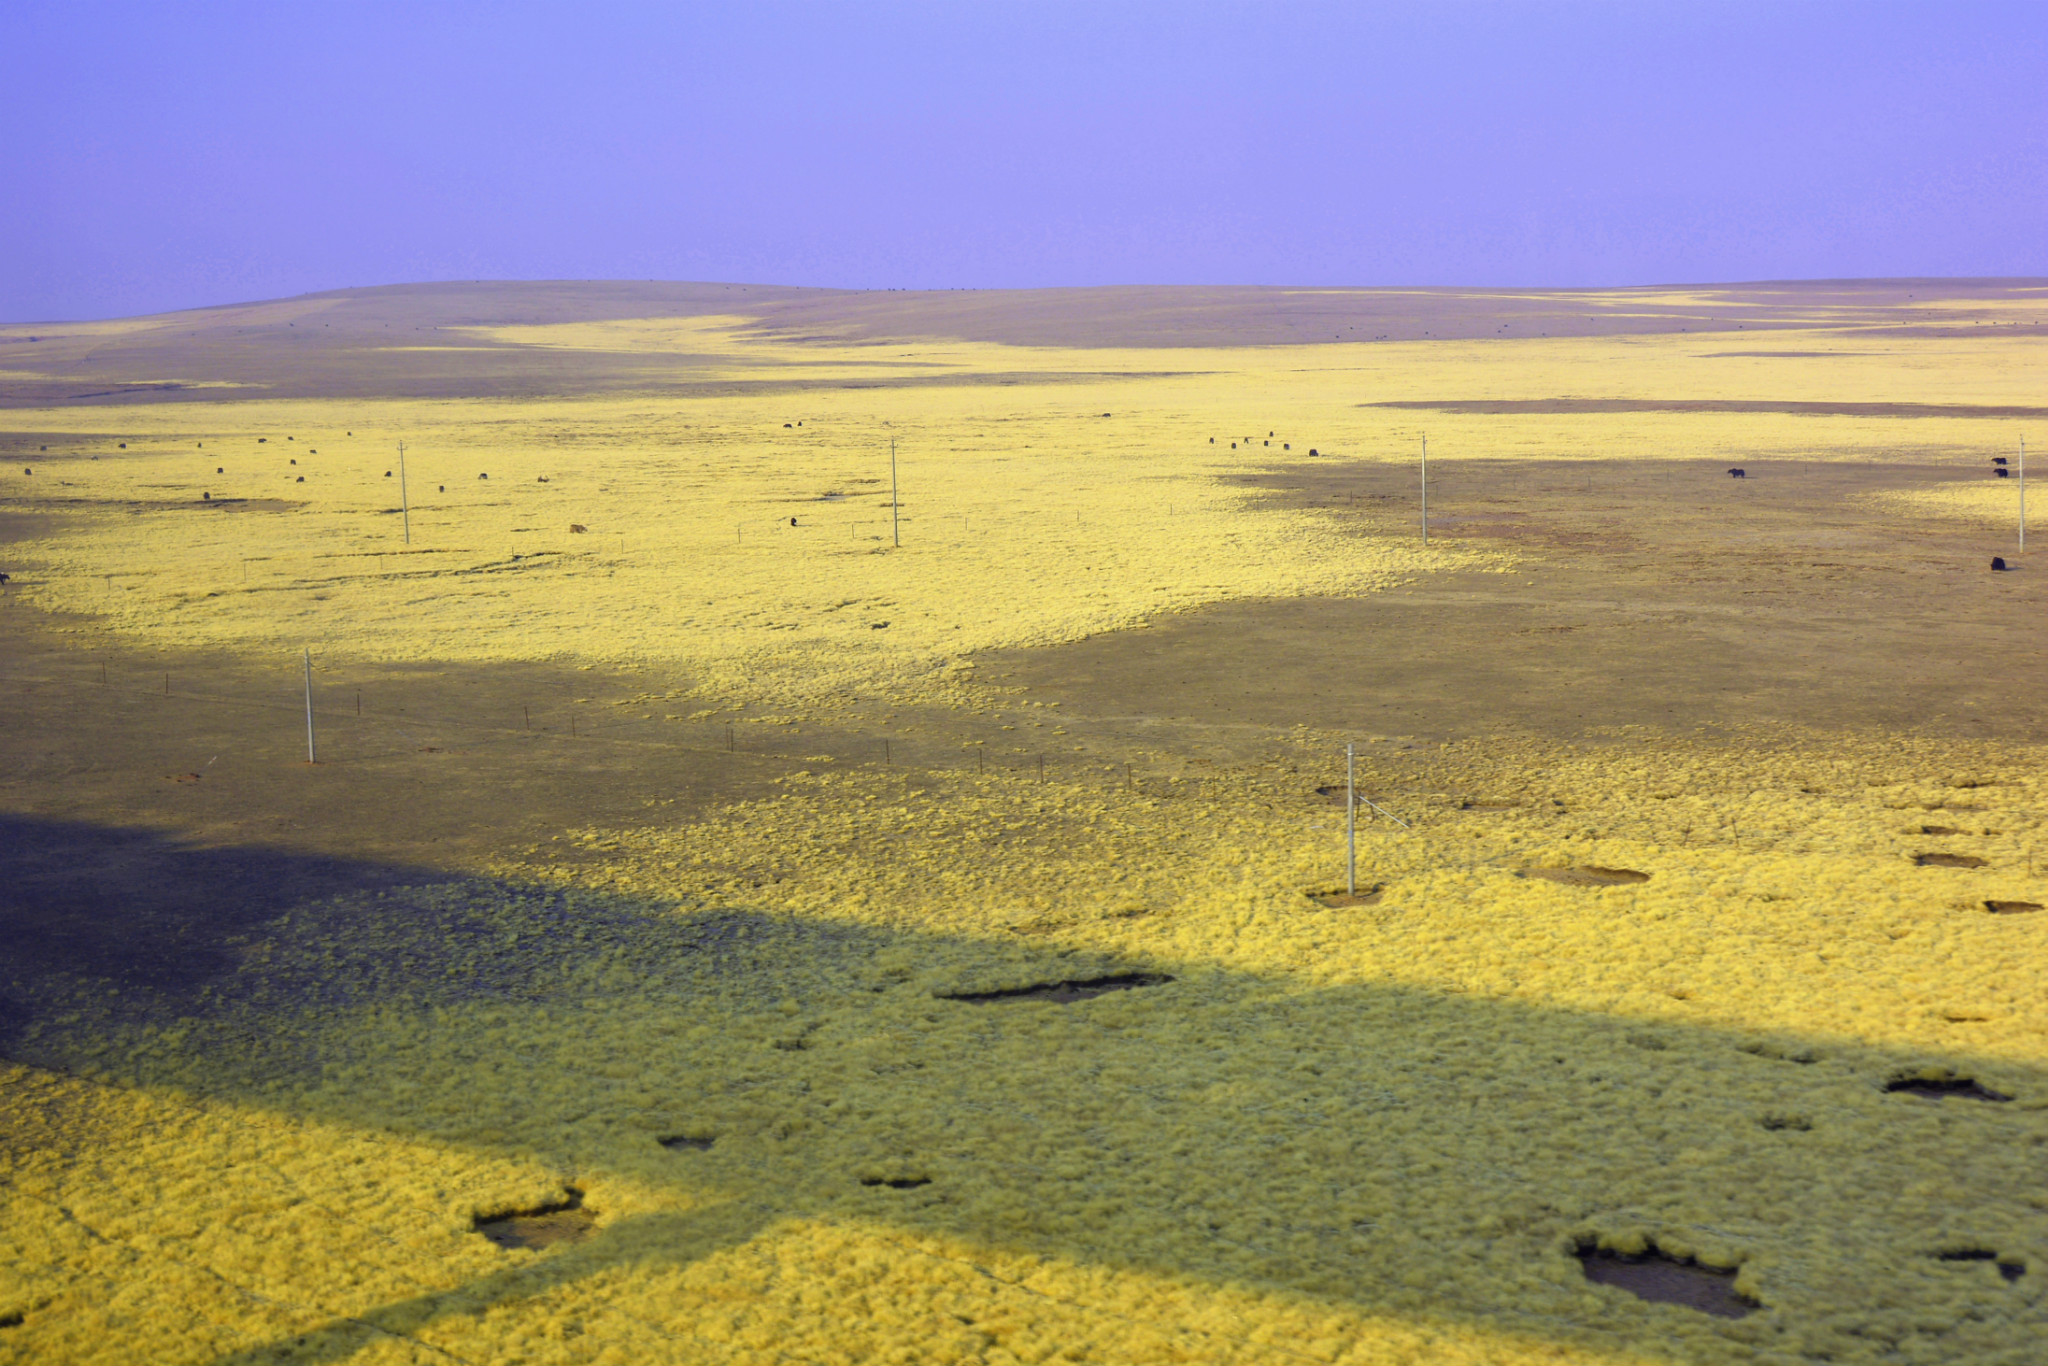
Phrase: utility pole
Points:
(895, 504)
(309, 705)
(1425, 488)
(404, 503)
(2023, 495)
(1350, 822)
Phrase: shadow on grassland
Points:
(1363, 1149)
(143, 913)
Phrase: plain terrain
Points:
(561, 918)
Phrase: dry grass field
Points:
(737, 915)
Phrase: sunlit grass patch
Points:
(1988, 503)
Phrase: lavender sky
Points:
(162, 155)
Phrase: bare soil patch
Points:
(1937, 1088)
(1588, 876)
(1067, 992)
(545, 1226)
(2010, 1269)
(1663, 1279)
(684, 1143)
(1338, 901)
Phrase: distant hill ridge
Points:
(344, 342)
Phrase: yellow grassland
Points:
(1985, 504)
(1027, 517)
(1357, 1135)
